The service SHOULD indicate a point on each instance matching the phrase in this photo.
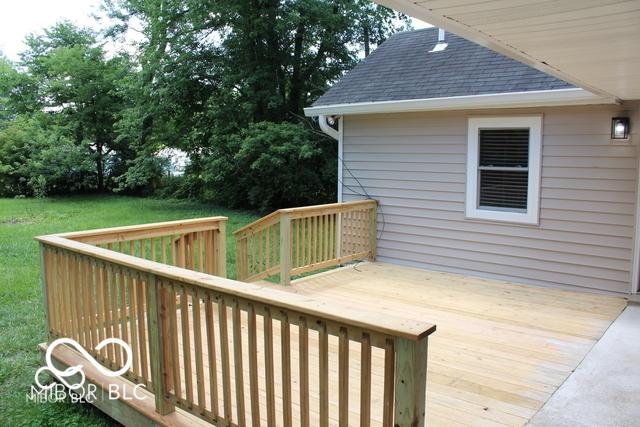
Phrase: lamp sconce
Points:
(620, 128)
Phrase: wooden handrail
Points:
(410, 329)
(300, 212)
(300, 240)
(130, 232)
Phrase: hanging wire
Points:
(364, 192)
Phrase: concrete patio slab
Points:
(604, 390)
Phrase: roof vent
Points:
(441, 45)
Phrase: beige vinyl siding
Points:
(414, 163)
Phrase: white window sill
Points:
(528, 218)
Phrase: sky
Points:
(22, 17)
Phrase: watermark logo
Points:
(72, 380)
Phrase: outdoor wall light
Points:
(620, 128)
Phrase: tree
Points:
(67, 75)
(214, 69)
(8, 76)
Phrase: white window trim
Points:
(534, 123)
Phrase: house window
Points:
(503, 169)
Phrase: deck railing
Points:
(196, 244)
(299, 240)
(230, 352)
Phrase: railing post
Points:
(45, 291)
(285, 249)
(220, 252)
(411, 382)
(373, 231)
(240, 261)
(160, 357)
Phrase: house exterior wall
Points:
(414, 164)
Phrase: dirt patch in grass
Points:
(18, 221)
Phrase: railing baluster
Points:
(201, 251)
(303, 341)
(163, 248)
(102, 310)
(285, 338)
(314, 258)
(186, 344)
(133, 316)
(237, 362)
(261, 251)
(79, 301)
(123, 307)
(90, 305)
(343, 377)
(268, 361)
(73, 283)
(211, 350)
(109, 312)
(365, 381)
(198, 354)
(388, 394)
(224, 353)
(142, 328)
(153, 243)
(253, 366)
(324, 374)
(172, 296)
(143, 248)
(325, 237)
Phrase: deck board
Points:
(500, 350)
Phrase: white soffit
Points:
(540, 98)
(592, 44)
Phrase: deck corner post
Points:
(221, 249)
(159, 357)
(285, 249)
(411, 382)
(373, 232)
(45, 290)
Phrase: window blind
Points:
(503, 168)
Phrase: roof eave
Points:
(542, 98)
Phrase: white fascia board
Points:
(541, 98)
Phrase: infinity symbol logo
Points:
(78, 369)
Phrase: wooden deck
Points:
(500, 350)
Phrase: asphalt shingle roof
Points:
(403, 68)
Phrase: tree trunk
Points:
(295, 95)
(100, 165)
(367, 48)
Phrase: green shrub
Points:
(268, 166)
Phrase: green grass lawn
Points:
(21, 310)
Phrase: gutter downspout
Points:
(326, 128)
(337, 135)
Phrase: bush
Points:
(38, 162)
(268, 166)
